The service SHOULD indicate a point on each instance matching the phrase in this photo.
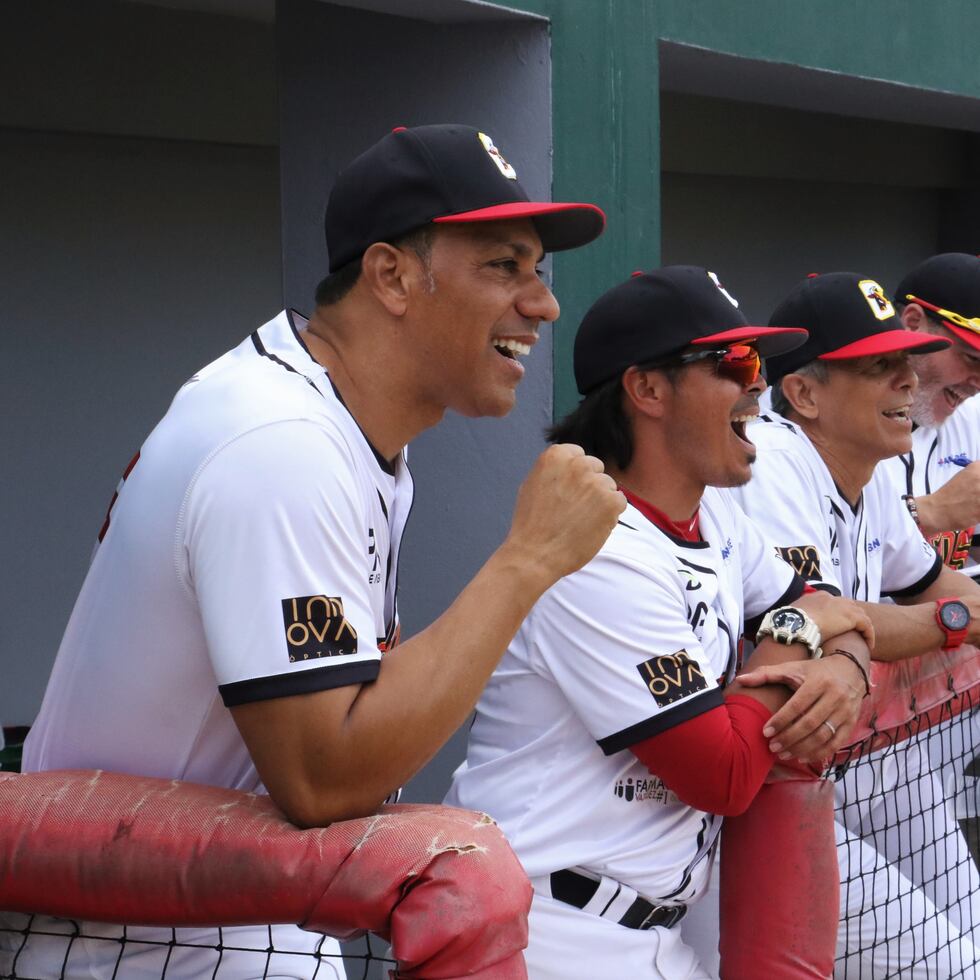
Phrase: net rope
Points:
(365, 960)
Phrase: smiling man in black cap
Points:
(939, 477)
(232, 625)
(615, 735)
(841, 404)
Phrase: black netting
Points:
(907, 833)
(34, 947)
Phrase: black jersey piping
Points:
(307, 681)
(697, 568)
(908, 461)
(833, 505)
(262, 352)
(681, 542)
(932, 451)
(700, 854)
(299, 340)
(825, 587)
(386, 465)
(685, 711)
(921, 585)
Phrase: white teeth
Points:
(898, 413)
(514, 346)
(744, 418)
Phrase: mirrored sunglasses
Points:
(740, 363)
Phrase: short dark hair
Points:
(338, 284)
(600, 425)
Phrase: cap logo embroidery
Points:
(502, 165)
(877, 300)
(724, 292)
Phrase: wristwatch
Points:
(787, 624)
(954, 620)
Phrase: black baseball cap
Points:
(948, 287)
(847, 316)
(655, 314)
(444, 174)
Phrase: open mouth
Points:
(511, 348)
(898, 414)
(739, 423)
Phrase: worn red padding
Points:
(780, 882)
(441, 883)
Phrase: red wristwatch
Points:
(954, 620)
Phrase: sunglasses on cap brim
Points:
(960, 320)
(740, 363)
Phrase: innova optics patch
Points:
(672, 677)
(317, 627)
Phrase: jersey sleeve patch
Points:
(803, 558)
(316, 627)
(672, 677)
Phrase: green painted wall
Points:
(605, 92)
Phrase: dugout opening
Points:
(771, 171)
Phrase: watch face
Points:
(788, 619)
(954, 616)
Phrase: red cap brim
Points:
(561, 225)
(967, 336)
(888, 342)
(768, 341)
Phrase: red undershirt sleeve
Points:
(715, 762)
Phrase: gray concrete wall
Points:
(126, 262)
(346, 78)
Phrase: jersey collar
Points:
(689, 531)
(283, 342)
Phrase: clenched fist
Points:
(565, 510)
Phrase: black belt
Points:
(576, 889)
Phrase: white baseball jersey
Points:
(643, 638)
(861, 552)
(937, 456)
(250, 554)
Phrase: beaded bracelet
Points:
(913, 508)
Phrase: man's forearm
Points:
(904, 631)
(910, 629)
(337, 754)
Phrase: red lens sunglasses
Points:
(739, 363)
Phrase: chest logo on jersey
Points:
(317, 627)
(672, 677)
(804, 560)
(641, 789)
